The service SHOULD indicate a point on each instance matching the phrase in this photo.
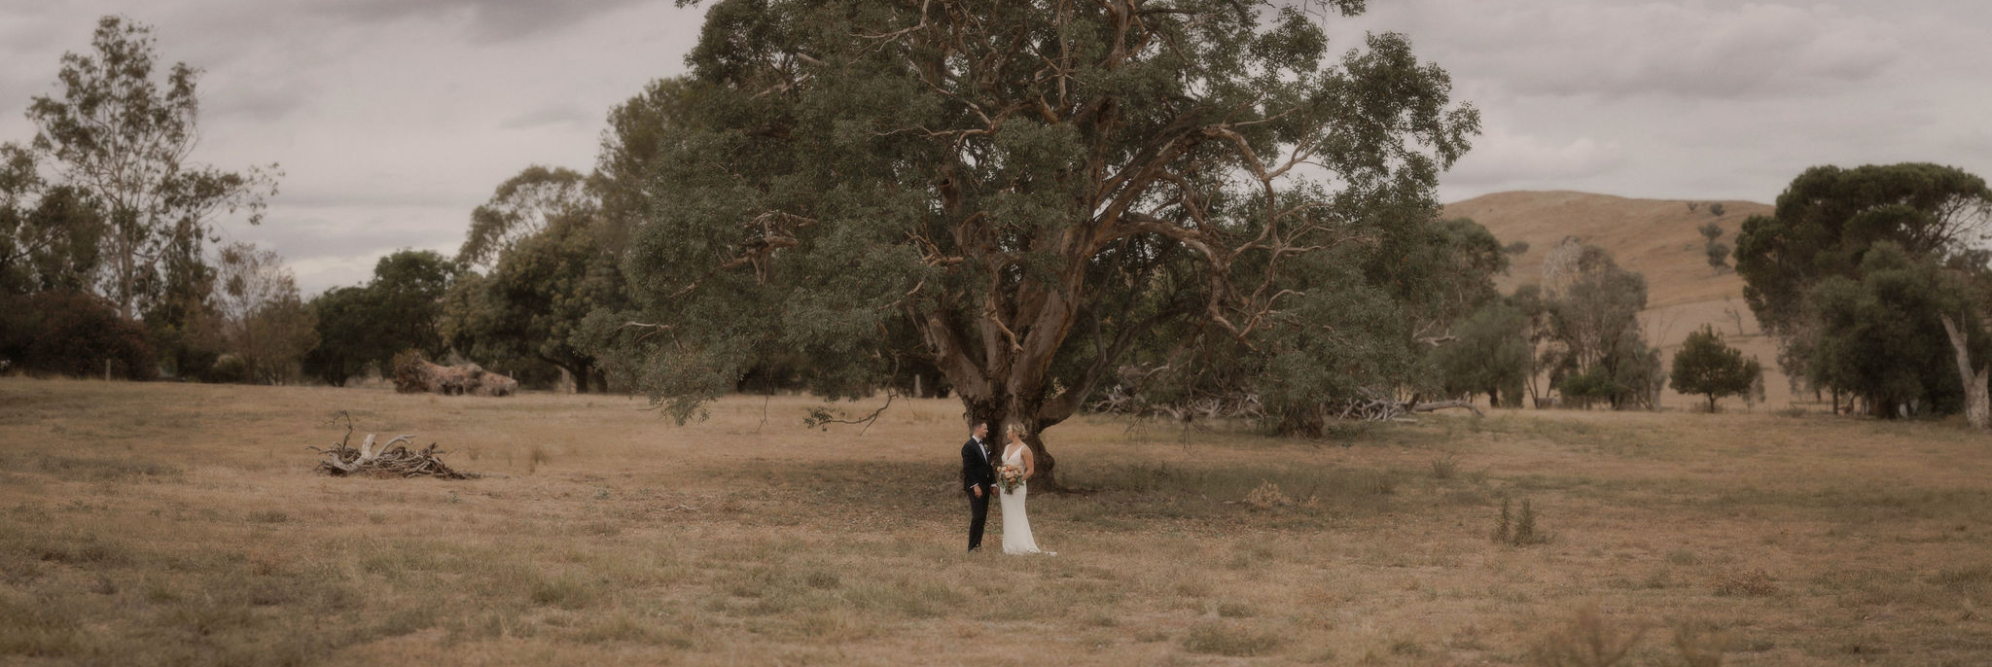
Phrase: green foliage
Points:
(1704, 365)
(124, 137)
(345, 332)
(400, 308)
(1597, 351)
(1829, 217)
(535, 303)
(521, 207)
(1710, 231)
(264, 322)
(1808, 275)
(869, 185)
(1880, 337)
(65, 332)
(1492, 355)
(49, 236)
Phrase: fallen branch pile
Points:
(390, 460)
(416, 375)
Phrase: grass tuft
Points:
(1587, 639)
(1753, 583)
(1230, 639)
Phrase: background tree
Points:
(48, 233)
(407, 289)
(1706, 366)
(1826, 224)
(1718, 252)
(1031, 190)
(1716, 209)
(66, 332)
(1492, 355)
(535, 302)
(346, 336)
(126, 139)
(1881, 335)
(400, 308)
(265, 323)
(522, 206)
(1597, 350)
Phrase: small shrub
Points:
(1525, 527)
(822, 580)
(1588, 639)
(1517, 529)
(268, 516)
(563, 592)
(1267, 496)
(1229, 639)
(536, 457)
(1445, 467)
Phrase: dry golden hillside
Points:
(1657, 238)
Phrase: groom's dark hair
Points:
(978, 424)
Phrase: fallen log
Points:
(1443, 405)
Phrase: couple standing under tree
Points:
(983, 477)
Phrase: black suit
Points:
(977, 471)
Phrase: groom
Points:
(978, 475)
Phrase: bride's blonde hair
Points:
(1017, 430)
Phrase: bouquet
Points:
(1010, 477)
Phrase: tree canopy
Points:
(1022, 193)
(1828, 218)
(1706, 366)
(1856, 272)
(126, 139)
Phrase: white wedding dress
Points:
(1017, 527)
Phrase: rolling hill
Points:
(1657, 238)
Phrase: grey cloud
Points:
(491, 20)
(559, 114)
(1548, 47)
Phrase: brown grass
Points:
(157, 524)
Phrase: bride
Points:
(1017, 527)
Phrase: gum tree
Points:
(1021, 194)
(127, 139)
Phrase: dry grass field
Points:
(157, 524)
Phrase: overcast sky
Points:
(392, 119)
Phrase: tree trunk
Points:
(1046, 476)
(1977, 409)
(1711, 403)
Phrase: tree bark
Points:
(1977, 406)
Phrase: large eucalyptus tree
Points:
(1019, 192)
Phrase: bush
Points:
(1708, 367)
(72, 333)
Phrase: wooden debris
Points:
(417, 375)
(389, 460)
